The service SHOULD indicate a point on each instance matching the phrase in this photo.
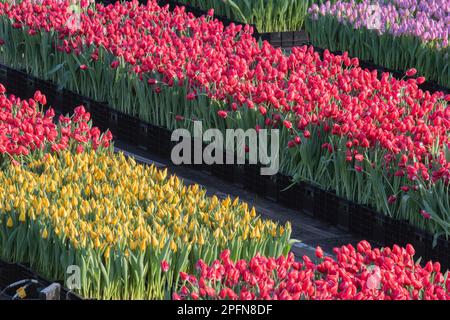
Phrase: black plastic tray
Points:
(13, 272)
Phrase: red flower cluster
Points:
(24, 128)
(360, 273)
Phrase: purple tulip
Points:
(428, 20)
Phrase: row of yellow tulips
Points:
(118, 221)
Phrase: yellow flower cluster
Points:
(109, 202)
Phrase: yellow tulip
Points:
(143, 246)
(22, 217)
(107, 253)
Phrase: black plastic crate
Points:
(392, 230)
(143, 136)
(288, 193)
(326, 206)
(343, 214)
(443, 252)
(253, 180)
(126, 129)
(300, 38)
(223, 171)
(51, 92)
(379, 231)
(100, 115)
(398, 232)
(287, 39)
(16, 83)
(405, 231)
(153, 139)
(113, 123)
(165, 143)
(71, 101)
(3, 75)
(192, 164)
(308, 199)
(361, 221)
(275, 39)
(272, 187)
(422, 242)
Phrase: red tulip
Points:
(319, 252)
(287, 124)
(164, 266)
(262, 110)
(411, 72)
(392, 199)
(115, 64)
(190, 96)
(425, 214)
(223, 114)
(420, 80)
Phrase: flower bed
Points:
(267, 16)
(117, 220)
(381, 142)
(26, 132)
(395, 34)
(360, 273)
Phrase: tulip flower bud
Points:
(420, 80)
(392, 199)
(287, 124)
(9, 223)
(115, 64)
(425, 214)
(223, 114)
(410, 250)
(307, 134)
(411, 72)
(319, 252)
(190, 96)
(164, 266)
(262, 110)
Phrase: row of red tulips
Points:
(381, 142)
(360, 273)
(26, 131)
